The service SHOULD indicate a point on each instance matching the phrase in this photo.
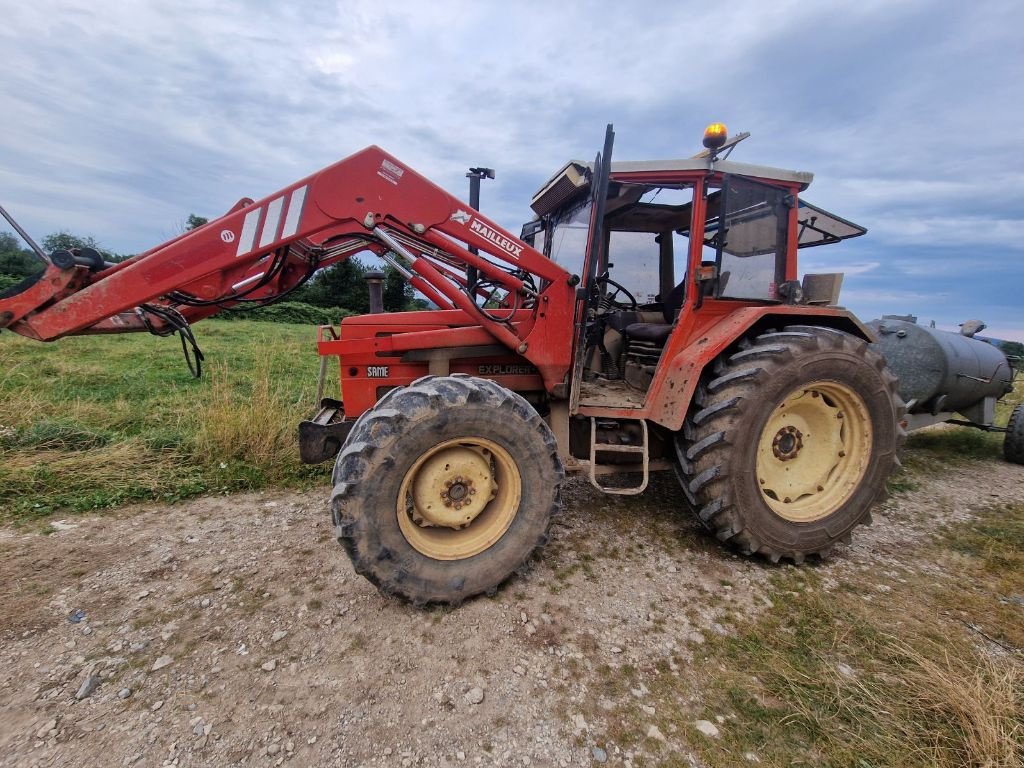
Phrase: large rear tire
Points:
(445, 488)
(1013, 443)
(790, 441)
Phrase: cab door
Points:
(595, 247)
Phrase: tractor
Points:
(650, 317)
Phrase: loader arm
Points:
(261, 250)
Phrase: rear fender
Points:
(677, 377)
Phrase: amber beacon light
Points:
(715, 135)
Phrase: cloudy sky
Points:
(122, 118)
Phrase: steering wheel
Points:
(609, 302)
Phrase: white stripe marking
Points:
(248, 236)
(291, 221)
(270, 223)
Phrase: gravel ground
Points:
(233, 630)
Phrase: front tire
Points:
(790, 441)
(445, 488)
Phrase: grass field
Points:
(88, 423)
(95, 422)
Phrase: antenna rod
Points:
(25, 236)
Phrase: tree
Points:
(21, 262)
(194, 222)
(344, 285)
(65, 241)
(340, 285)
(16, 261)
(398, 294)
(1012, 348)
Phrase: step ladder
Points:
(641, 450)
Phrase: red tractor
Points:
(650, 317)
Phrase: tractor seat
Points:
(657, 333)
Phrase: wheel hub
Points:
(787, 443)
(452, 487)
(457, 490)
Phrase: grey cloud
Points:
(122, 118)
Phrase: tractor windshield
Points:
(567, 242)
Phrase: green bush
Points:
(290, 312)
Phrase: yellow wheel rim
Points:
(814, 451)
(459, 498)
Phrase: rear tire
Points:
(790, 441)
(445, 488)
(1013, 443)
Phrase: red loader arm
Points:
(259, 251)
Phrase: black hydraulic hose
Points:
(176, 323)
(275, 268)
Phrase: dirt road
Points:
(228, 631)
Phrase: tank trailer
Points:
(944, 374)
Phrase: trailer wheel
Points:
(445, 488)
(790, 441)
(1013, 443)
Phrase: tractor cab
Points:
(677, 239)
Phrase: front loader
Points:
(650, 317)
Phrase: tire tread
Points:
(705, 445)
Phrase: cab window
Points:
(749, 239)
(647, 244)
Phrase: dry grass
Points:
(255, 427)
(936, 705)
(980, 699)
(93, 477)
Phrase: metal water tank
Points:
(939, 370)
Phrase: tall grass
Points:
(957, 706)
(254, 425)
